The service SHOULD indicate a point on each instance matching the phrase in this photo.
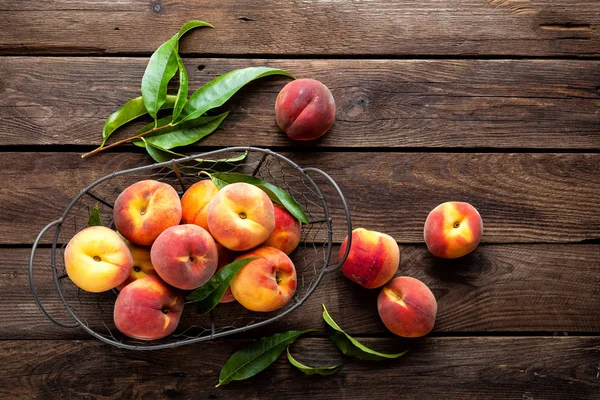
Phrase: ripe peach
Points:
(145, 209)
(148, 309)
(407, 307)
(373, 259)
(194, 203)
(286, 234)
(142, 265)
(97, 259)
(226, 256)
(453, 229)
(305, 109)
(266, 283)
(184, 256)
(241, 216)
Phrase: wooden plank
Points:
(436, 27)
(522, 197)
(459, 368)
(380, 103)
(499, 288)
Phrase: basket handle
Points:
(346, 210)
(32, 285)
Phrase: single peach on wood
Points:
(145, 209)
(241, 216)
(305, 109)
(453, 229)
(142, 264)
(148, 309)
(97, 259)
(184, 256)
(266, 283)
(194, 203)
(407, 307)
(373, 259)
(286, 234)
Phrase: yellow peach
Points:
(240, 216)
(97, 259)
(266, 283)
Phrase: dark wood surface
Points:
(494, 102)
(308, 28)
(380, 103)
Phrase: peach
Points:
(226, 256)
(241, 216)
(407, 307)
(142, 265)
(145, 209)
(194, 203)
(286, 234)
(97, 259)
(373, 259)
(305, 109)
(184, 256)
(453, 229)
(266, 283)
(148, 309)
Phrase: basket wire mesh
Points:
(313, 258)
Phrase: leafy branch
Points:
(188, 121)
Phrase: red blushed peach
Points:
(145, 209)
(97, 259)
(194, 203)
(142, 265)
(305, 109)
(453, 229)
(184, 256)
(286, 234)
(266, 283)
(226, 257)
(148, 309)
(241, 216)
(373, 259)
(407, 307)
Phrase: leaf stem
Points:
(130, 139)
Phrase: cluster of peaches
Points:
(165, 246)
(406, 305)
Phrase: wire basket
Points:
(313, 258)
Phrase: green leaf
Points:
(159, 154)
(279, 196)
(94, 217)
(182, 92)
(352, 347)
(239, 158)
(161, 68)
(209, 294)
(159, 71)
(186, 133)
(191, 25)
(129, 111)
(249, 361)
(216, 92)
(312, 370)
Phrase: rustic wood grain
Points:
(435, 27)
(380, 103)
(462, 368)
(521, 197)
(498, 288)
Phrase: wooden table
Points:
(494, 102)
